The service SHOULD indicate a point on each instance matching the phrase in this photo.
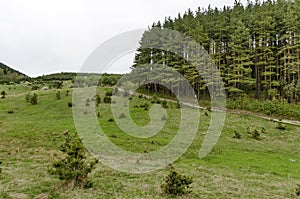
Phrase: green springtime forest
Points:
(256, 48)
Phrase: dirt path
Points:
(234, 111)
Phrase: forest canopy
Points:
(256, 48)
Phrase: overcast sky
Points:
(45, 36)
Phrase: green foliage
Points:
(237, 135)
(3, 93)
(297, 190)
(34, 99)
(274, 107)
(0, 167)
(280, 126)
(164, 104)
(107, 99)
(109, 93)
(98, 100)
(57, 84)
(255, 134)
(58, 95)
(27, 97)
(70, 104)
(176, 184)
(75, 165)
(35, 87)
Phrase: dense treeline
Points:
(7, 74)
(256, 48)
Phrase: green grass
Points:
(236, 168)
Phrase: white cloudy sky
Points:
(46, 36)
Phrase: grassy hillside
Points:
(8, 74)
(267, 167)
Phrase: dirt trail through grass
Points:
(241, 112)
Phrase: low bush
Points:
(237, 135)
(70, 104)
(107, 99)
(164, 104)
(297, 190)
(34, 99)
(58, 95)
(280, 126)
(176, 184)
(75, 165)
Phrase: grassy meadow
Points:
(267, 167)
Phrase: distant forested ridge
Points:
(7, 74)
(256, 47)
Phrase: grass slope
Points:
(236, 168)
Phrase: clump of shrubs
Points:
(10, 112)
(58, 95)
(176, 184)
(98, 100)
(237, 135)
(70, 104)
(255, 134)
(3, 93)
(145, 106)
(164, 104)
(109, 93)
(280, 126)
(297, 190)
(111, 119)
(34, 99)
(75, 165)
(107, 99)
(27, 97)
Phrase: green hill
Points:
(8, 74)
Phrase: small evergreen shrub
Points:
(164, 104)
(280, 126)
(35, 87)
(107, 99)
(237, 135)
(58, 95)
(34, 99)
(70, 104)
(109, 93)
(297, 190)
(98, 100)
(75, 165)
(87, 102)
(3, 93)
(176, 184)
(111, 119)
(255, 134)
(27, 97)
(178, 104)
